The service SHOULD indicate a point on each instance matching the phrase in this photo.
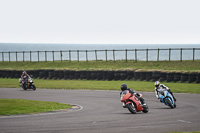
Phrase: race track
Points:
(101, 112)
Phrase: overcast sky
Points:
(100, 21)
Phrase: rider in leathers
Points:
(24, 78)
(159, 86)
(124, 87)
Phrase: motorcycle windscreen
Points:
(125, 95)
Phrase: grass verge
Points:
(179, 66)
(19, 106)
(102, 85)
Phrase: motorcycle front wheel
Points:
(33, 86)
(145, 109)
(169, 103)
(131, 107)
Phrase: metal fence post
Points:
(38, 55)
(69, 55)
(30, 56)
(169, 54)
(9, 56)
(181, 54)
(158, 54)
(113, 55)
(45, 54)
(96, 54)
(78, 55)
(147, 54)
(86, 56)
(3, 56)
(126, 55)
(53, 55)
(23, 56)
(16, 56)
(135, 55)
(193, 54)
(61, 56)
(106, 55)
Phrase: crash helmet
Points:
(123, 87)
(157, 83)
(24, 73)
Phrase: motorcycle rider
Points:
(131, 91)
(159, 86)
(24, 78)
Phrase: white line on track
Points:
(184, 121)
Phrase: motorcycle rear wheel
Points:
(24, 87)
(131, 108)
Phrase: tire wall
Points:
(106, 75)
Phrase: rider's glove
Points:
(138, 94)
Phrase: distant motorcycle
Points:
(27, 83)
(166, 98)
(132, 103)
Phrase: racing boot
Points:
(142, 101)
(124, 105)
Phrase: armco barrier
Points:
(106, 75)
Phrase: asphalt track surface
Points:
(101, 112)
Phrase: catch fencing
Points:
(169, 54)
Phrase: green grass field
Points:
(101, 85)
(20, 106)
(184, 66)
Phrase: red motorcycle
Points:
(133, 103)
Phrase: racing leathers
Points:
(160, 87)
(24, 79)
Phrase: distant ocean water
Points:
(101, 55)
